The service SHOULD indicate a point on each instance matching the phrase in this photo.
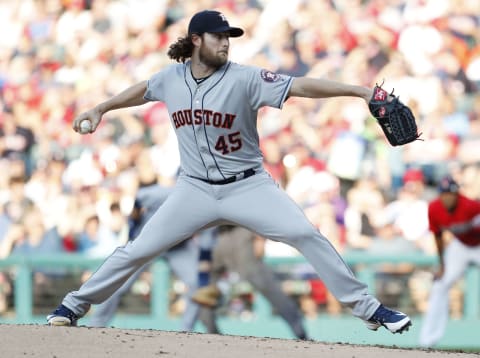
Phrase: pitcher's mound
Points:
(83, 342)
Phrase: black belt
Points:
(245, 174)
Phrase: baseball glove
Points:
(394, 117)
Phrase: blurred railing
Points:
(338, 329)
(365, 263)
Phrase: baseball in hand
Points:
(85, 126)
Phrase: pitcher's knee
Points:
(133, 257)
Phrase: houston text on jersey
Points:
(216, 119)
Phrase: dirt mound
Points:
(79, 342)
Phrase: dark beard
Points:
(210, 60)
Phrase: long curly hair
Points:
(181, 50)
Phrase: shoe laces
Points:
(65, 312)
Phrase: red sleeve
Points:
(473, 207)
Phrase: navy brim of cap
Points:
(453, 191)
(232, 31)
(235, 32)
(450, 188)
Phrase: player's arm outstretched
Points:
(396, 119)
(323, 88)
(132, 96)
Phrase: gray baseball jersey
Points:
(215, 122)
(217, 132)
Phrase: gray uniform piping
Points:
(191, 110)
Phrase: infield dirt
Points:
(83, 342)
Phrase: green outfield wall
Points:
(461, 333)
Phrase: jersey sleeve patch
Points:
(269, 76)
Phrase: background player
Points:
(234, 250)
(213, 104)
(182, 259)
(455, 221)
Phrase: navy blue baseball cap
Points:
(213, 22)
(448, 185)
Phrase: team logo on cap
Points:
(269, 76)
(224, 19)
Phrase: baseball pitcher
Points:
(213, 105)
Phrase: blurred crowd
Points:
(64, 192)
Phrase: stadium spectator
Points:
(365, 202)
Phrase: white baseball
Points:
(85, 126)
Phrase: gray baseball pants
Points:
(256, 203)
(184, 264)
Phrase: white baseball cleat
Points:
(394, 321)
